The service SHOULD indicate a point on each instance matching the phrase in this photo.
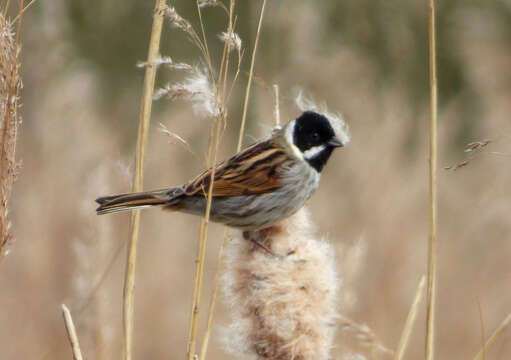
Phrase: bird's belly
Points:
(250, 212)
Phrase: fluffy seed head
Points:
(176, 20)
(164, 61)
(232, 39)
(207, 3)
(196, 88)
(284, 306)
(10, 120)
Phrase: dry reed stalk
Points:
(208, 97)
(143, 129)
(410, 320)
(213, 144)
(430, 327)
(212, 302)
(10, 86)
(214, 141)
(71, 333)
(483, 333)
(493, 338)
(364, 335)
(225, 60)
(276, 109)
(250, 75)
(23, 10)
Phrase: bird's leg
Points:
(255, 237)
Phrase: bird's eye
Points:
(315, 136)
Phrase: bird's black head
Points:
(314, 136)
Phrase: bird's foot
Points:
(261, 239)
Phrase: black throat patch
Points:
(319, 161)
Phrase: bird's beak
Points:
(335, 142)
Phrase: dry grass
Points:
(433, 206)
(143, 132)
(481, 355)
(410, 321)
(250, 76)
(210, 92)
(371, 200)
(71, 333)
(10, 120)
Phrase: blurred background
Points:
(369, 61)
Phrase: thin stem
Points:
(214, 138)
(228, 49)
(24, 9)
(250, 75)
(204, 48)
(483, 333)
(194, 317)
(224, 69)
(71, 333)
(494, 337)
(6, 9)
(238, 67)
(276, 110)
(212, 302)
(199, 270)
(410, 320)
(430, 327)
(224, 64)
(143, 130)
(199, 262)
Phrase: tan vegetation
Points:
(10, 120)
(283, 304)
(368, 61)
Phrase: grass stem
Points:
(143, 130)
(493, 338)
(71, 333)
(250, 76)
(410, 320)
(212, 301)
(430, 327)
(276, 110)
(214, 142)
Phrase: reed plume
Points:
(283, 298)
(10, 86)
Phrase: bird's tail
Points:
(122, 202)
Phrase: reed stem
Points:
(143, 130)
(276, 109)
(71, 333)
(250, 76)
(410, 320)
(214, 142)
(430, 327)
(493, 338)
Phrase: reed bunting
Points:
(256, 188)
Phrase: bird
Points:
(256, 188)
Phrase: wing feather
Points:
(255, 170)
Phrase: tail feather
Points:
(122, 202)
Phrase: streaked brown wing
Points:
(255, 170)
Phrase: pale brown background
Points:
(368, 60)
